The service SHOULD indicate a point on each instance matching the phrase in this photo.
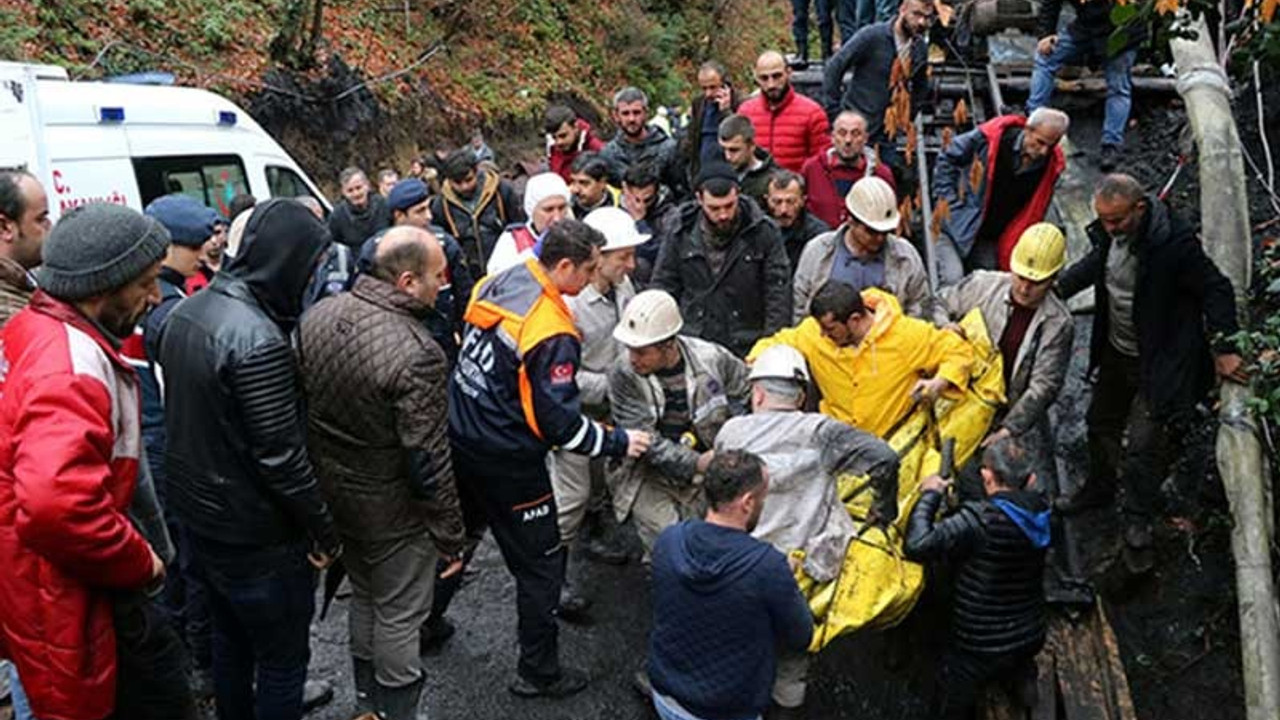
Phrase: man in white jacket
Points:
(805, 453)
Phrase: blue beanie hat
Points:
(188, 221)
(407, 193)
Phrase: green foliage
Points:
(14, 33)
(1261, 341)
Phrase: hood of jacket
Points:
(885, 310)
(709, 557)
(1028, 511)
(283, 242)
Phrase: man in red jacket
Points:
(567, 137)
(788, 125)
(1016, 162)
(78, 518)
(831, 173)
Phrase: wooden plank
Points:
(1080, 670)
(1122, 699)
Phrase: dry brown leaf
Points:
(976, 171)
(1268, 10)
(1165, 7)
(903, 101)
(891, 122)
(904, 218)
(941, 212)
(911, 144)
(961, 114)
(906, 69)
(895, 72)
(918, 202)
(945, 12)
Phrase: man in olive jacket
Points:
(376, 416)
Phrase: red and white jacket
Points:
(70, 441)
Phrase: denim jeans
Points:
(800, 25)
(21, 708)
(186, 600)
(1119, 83)
(261, 600)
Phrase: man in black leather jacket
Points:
(998, 621)
(239, 475)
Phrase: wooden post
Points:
(1227, 239)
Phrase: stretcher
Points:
(877, 587)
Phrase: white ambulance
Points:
(129, 143)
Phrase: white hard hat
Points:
(617, 226)
(782, 362)
(873, 202)
(650, 318)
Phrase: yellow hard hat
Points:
(1041, 251)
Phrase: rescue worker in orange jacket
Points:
(513, 397)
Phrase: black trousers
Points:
(966, 675)
(520, 508)
(151, 663)
(1117, 411)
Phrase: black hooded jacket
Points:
(237, 458)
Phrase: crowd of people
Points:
(692, 336)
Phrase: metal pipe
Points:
(926, 206)
(1224, 214)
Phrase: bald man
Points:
(788, 125)
(375, 381)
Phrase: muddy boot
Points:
(363, 671)
(1086, 498)
(1138, 554)
(570, 682)
(573, 605)
(401, 703)
(778, 712)
(316, 693)
(436, 631)
(641, 684)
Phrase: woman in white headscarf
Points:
(546, 202)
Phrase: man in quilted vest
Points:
(377, 432)
(998, 547)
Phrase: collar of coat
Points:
(65, 312)
(13, 274)
(389, 297)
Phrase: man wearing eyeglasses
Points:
(865, 252)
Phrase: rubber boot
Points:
(365, 684)
(401, 703)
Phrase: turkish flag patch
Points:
(562, 374)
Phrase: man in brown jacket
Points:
(377, 418)
(24, 221)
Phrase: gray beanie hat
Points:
(97, 248)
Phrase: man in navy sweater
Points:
(724, 603)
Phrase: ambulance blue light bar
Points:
(111, 114)
(226, 117)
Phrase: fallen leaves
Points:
(945, 12)
(961, 114)
(976, 173)
(941, 213)
(1268, 10)
(911, 144)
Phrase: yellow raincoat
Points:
(869, 386)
